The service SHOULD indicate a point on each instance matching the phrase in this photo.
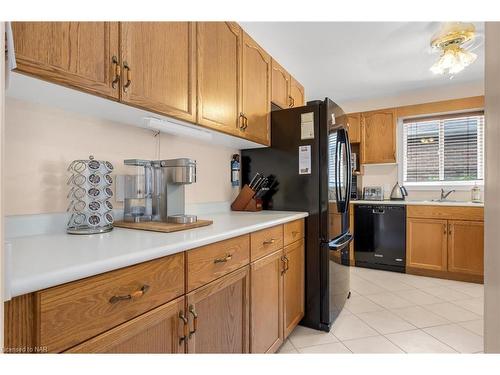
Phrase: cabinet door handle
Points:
(444, 228)
(449, 229)
(245, 122)
(287, 266)
(126, 68)
(291, 102)
(242, 121)
(283, 270)
(118, 71)
(224, 259)
(269, 242)
(195, 320)
(136, 294)
(185, 328)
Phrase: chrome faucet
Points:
(445, 195)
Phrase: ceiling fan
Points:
(455, 42)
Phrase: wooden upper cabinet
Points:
(280, 85)
(157, 331)
(297, 93)
(219, 315)
(426, 244)
(294, 281)
(75, 54)
(219, 71)
(354, 127)
(266, 303)
(466, 247)
(378, 137)
(256, 91)
(161, 58)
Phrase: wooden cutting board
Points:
(157, 226)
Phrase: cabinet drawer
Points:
(293, 231)
(210, 262)
(446, 212)
(74, 312)
(265, 242)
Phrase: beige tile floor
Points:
(390, 312)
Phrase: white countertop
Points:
(421, 203)
(40, 261)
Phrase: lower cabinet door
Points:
(157, 331)
(218, 315)
(426, 244)
(466, 247)
(266, 303)
(294, 285)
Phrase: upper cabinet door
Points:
(297, 94)
(378, 137)
(256, 84)
(280, 86)
(82, 55)
(219, 73)
(354, 126)
(159, 67)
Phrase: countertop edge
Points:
(69, 274)
(420, 203)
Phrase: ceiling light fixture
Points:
(454, 41)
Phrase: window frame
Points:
(430, 185)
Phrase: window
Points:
(442, 150)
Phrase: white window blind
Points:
(448, 148)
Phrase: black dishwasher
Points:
(380, 236)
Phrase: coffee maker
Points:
(156, 192)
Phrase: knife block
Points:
(245, 201)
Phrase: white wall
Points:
(492, 203)
(41, 141)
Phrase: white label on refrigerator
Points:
(307, 125)
(304, 159)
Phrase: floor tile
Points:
(457, 337)
(446, 293)
(365, 287)
(303, 336)
(376, 344)
(336, 347)
(418, 281)
(389, 300)
(476, 326)
(476, 305)
(360, 304)
(418, 297)
(419, 342)
(392, 285)
(385, 322)
(452, 312)
(474, 290)
(287, 347)
(351, 327)
(420, 317)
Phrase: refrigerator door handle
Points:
(337, 174)
(349, 171)
(340, 242)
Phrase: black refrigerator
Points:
(309, 162)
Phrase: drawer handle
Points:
(223, 259)
(295, 232)
(185, 327)
(195, 320)
(136, 294)
(269, 242)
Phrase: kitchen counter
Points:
(41, 261)
(421, 203)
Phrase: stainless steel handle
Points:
(136, 294)
(224, 259)
(378, 211)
